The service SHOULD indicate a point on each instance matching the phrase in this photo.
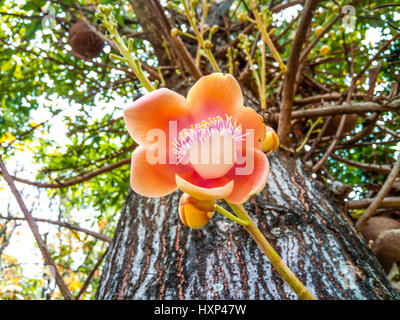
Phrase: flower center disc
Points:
(210, 147)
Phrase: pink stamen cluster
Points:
(202, 131)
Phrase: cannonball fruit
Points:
(385, 234)
(351, 121)
(84, 40)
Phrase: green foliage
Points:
(41, 81)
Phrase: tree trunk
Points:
(154, 256)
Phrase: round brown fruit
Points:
(351, 121)
(84, 40)
(385, 234)
(387, 248)
(376, 225)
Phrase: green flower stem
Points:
(230, 216)
(254, 71)
(105, 14)
(271, 83)
(302, 292)
(263, 94)
(202, 23)
(265, 36)
(212, 60)
(133, 62)
(309, 134)
(200, 38)
(230, 57)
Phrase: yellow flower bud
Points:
(242, 16)
(325, 50)
(195, 213)
(272, 31)
(175, 32)
(214, 28)
(208, 44)
(318, 30)
(106, 9)
(329, 6)
(271, 141)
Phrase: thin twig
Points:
(178, 46)
(365, 166)
(91, 274)
(387, 202)
(32, 224)
(288, 93)
(75, 180)
(65, 225)
(345, 108)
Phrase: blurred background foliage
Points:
(64, 113)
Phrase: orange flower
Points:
(216, 151)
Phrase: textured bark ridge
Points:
(154, 256)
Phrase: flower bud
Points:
(242, 16)
(325, 50)
(214, 28)
(106, 9)
(195, 213)
(318, 30)
(271, 141)
(272, 31)
(175, 32)
(208, 44)
(242, 37)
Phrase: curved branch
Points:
(346, 108)
(387, 202)
(76, 180)
(96, 235)
(34, 228)
(365, 166)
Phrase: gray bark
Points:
(154, 256)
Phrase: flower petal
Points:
(215, 95)
(151, 180)
(201, 189)
(245, 185)
(155, 110)
(250, 119)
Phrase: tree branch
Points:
(76, 180)
(90, 276)
(346, 108)
(365, 166)
(42, 246)
(288, 93)
(387, 202)
(96, 235)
